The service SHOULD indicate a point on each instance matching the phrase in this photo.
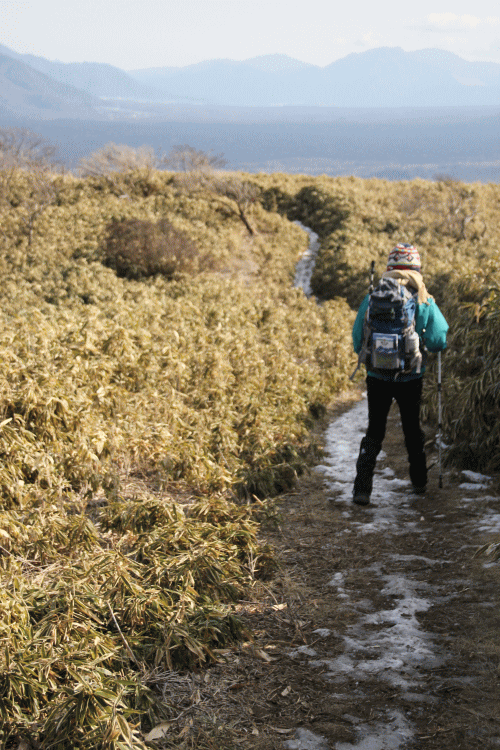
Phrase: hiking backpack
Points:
(391, 345)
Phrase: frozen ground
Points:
(305, 266)
(388, 642)
(389, 648)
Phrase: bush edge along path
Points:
(145, 421)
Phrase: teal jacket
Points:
(430, 325)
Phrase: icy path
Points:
(305, 266)
(342, 445)
(396, 649)
(386, 643)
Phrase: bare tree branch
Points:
(185, 158)
(116, 158)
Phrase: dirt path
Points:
(380, 631)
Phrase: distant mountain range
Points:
(384, 77)
(25, 92)
(384, 113)
(97, 79)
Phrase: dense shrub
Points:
(136, 249)
(139, 419)
(453, 224)
(324, 211)
(471, 371)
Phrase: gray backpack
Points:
(391, 344)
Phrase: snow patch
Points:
(473, 476)
(306, 740)
(322, 632)
(342, 440)
(395, 650)
(338, 582)
(391, 734)
(302, 651)
(472, 486)
(305, 266)
(490, 523)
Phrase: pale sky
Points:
(155, 33)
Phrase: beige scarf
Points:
(413, 279)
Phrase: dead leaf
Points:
(262, 655)
(158, 732)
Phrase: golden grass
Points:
(143, 424)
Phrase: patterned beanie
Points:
(404, 257)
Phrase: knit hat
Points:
(404, 257)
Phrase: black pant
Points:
(408, 396)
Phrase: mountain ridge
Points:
(383, 76)
(27, 92)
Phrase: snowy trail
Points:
(396, 650)
(386, 643)
(305, 266)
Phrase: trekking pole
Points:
(440, 423)
(372, 274)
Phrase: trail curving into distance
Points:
(394, 657)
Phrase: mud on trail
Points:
(380, 630)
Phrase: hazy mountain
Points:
(26, 92)
(277, 63)
(383, 77)
(261, 81)
(98, 79)
(464, 71)
(211, 81)
(272, 64)
(391, 77)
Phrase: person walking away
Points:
(404, 383)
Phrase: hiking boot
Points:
(361, 499)
(365, 465)
(419, 490)
(418, 470)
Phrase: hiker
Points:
(404, 384)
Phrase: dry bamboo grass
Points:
(118, 400)
(472, 371)
(455, 226)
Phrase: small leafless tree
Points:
(448, 212)
(200, 172)
(20, 149)
(237, 196)
(185, 158)
(27, 157)
(114, 158)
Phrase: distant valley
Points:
(384, 112)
